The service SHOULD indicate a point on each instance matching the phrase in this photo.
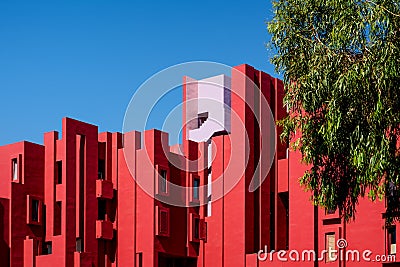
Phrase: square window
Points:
(330, 211)
(333, 213)
(47, 248)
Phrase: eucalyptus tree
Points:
(340, 60)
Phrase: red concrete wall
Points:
(14, 206)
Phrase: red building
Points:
(109, 199)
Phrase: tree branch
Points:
(384, 8)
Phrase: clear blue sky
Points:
(84, 59)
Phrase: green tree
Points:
(341, 65)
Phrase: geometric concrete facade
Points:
(77, 199)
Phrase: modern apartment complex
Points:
(230, 190)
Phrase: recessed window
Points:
(47, 248)
(162, 221)
(330, 211)
(330, 243)
(391, 238)
(196, 230)
(162, 177)
(203, 230)
(79, 244)
(196, 185)
(14, 166)
(162, 182)
(57, 218)
(102, 169)
(59, 172)
(101, 213)
(139, 259)
(35, 210)
(194, 226)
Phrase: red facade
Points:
(78, 199)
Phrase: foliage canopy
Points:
(341, 65)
